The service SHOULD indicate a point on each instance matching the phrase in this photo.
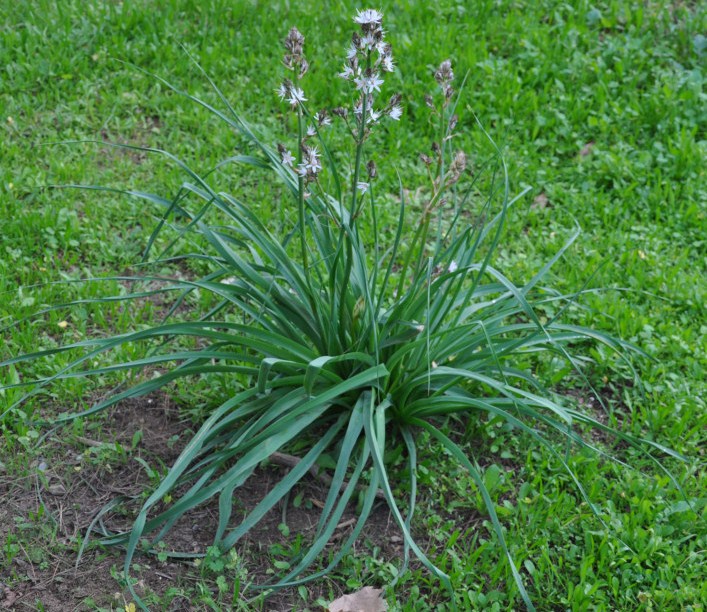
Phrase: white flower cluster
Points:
(311, 163)
(368, 56)
(290, 92)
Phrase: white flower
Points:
(351, 52)
(368, 41)
(453, 267)
(287, 158)
(369, 84)
(323, 121)
(311, 131)
(282, 91)
(311, 165)
(373, 116)
(395, 113)
(347, 73)
(388, 63)
(368, 16)
(296, 96)
(362, 187)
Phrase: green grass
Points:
(599, 107)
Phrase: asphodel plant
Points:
(339, 342)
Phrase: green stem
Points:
(352, 234)
(359, 154)
(420, 239)
(300, 192)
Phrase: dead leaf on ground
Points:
(541, 201)
(8, 598)
(367, 599)
(587, 148)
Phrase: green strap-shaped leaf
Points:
(490, 506)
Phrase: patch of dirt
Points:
(45, 514)
(610, 414)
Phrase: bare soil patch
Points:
(44, 514)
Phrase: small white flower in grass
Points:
(351, 52)
(296, 96)
(311, 131)
(453, 267)
(362, 187)
(387, 63)
(282, 91)
(395, 113)
(287, 158)
(368, 16)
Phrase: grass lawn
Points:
(599, 107)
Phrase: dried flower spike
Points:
(294, 58)
(444, 73)
(456, 168)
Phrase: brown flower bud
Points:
(294, 42)
(303, 67)
(456, 168)
(444, 74)
(372, 170)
